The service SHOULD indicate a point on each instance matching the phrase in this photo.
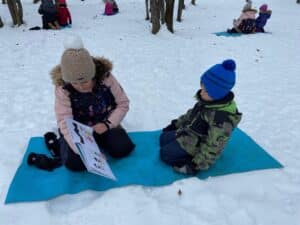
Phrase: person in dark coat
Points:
(49, 15)
(261, 20)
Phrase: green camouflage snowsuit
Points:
(205, 129)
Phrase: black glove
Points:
(43, 162)
(171, 126)
(52, 143)
(186, 169)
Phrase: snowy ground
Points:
(160, 75)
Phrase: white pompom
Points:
(73, 42)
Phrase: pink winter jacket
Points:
(108, 9)
(246, 14)
(63, 104)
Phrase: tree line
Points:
(16, 11)
(162, 12)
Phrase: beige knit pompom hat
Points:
(76, 63)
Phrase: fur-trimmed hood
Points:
(103, 66)
(249, 10)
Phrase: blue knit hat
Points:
(219, 79)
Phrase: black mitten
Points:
(43, 162)
(171, 126)
(52, 143)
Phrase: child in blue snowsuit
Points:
(261, 20)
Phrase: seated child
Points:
(49, 15)
(87, 91)
(111, 7)
(261, 20)
(246, 22)
(196, 139)
(64, 15)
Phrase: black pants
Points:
(170, 151)
(115, 142)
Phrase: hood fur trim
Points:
(250, 10)
(103, 66)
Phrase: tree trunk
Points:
(155, 14)
(35, 1)
(3, 2)
(193, 2)
(16, 11)
(10, 4)
(147, 9)
(169, 14)
(19, 9)
(298, 1)
(1, 23)
(162, 11)
(180, 8)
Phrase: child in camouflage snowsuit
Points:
(196, 139)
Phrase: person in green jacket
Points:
(195, 140)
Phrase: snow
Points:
(160, 74)
(73, 42)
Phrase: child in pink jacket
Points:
(86, 91)
(111, 7)
(64, 15)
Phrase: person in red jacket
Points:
(64, 15)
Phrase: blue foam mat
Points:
(226, 34)
(142, 167)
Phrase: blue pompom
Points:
(229, 64)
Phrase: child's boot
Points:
(52, 144)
